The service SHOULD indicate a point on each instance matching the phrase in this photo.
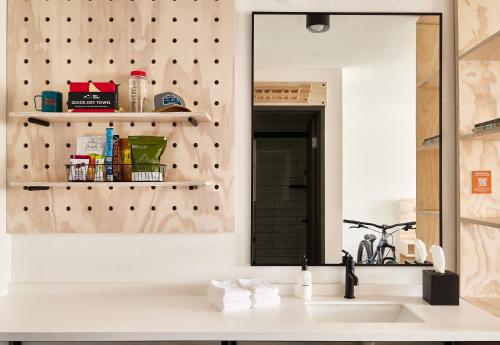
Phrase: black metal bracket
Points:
(15, 342)
(193, 121)
(38, 122)
(36, 188)
(228, 342)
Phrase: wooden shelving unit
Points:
(478, 96)
(427, 125)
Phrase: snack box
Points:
(93, 97)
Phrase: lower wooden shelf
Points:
(64, 184)
(492, 222)
(428, 212)
(490, 304)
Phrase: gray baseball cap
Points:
(169, 102)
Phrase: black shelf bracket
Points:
(36, 188)
(38, 122)
(193, 121)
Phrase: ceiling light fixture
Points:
(317, 23)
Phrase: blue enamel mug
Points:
(51, 101)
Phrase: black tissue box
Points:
(440, 288)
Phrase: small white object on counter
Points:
(228, 296)
(303, 288)
(420, 251)
(438, 259)
(263, 294)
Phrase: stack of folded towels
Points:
(241, 294)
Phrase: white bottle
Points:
(137, 86)
(303, 288)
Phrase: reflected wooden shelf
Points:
(489, 135)
(490, 304)
(433, 147)
(431, 82)
(193, 117)
(488, 49)
(492, 222)
(428, 212)
(32, 185)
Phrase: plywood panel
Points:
(479, 98)
(479, 155)
(428, 180)
(428, 229)
(479, 261)
(427, 47)
(186, 47)
(478, 19)
(427, 114)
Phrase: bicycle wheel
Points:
(390, 261)
(365, 252)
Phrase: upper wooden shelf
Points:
(492, 222)
(35, 117)
(488, 135)
(488, 49)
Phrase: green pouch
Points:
(146, 152)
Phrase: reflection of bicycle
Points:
(385, 252)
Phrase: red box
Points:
(93, 97)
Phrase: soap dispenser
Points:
(303, 289)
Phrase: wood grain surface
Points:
(186, 47)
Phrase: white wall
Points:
(379, 132)
(193, 259)
(333, 143)
(4, 238)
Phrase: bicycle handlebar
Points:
(406, 226)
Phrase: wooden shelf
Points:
(193, 117)
(490, 304)
(429, 212)
(492, 222)
(64, 184)
(431, 82)
(489, 135)
(433, 147)
(488, 49)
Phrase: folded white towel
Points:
(228, 296)
(264, 301)
(263, 293)
(259, 286)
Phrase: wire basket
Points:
(115, 172)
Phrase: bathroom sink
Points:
(360, 312)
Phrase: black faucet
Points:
(351, 279)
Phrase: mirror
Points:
(346, 138)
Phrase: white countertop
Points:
(175, 317)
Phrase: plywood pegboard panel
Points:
(479, 99)
(478, 20)
(186, 47)
(480, 260)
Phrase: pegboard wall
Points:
(187, 47)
